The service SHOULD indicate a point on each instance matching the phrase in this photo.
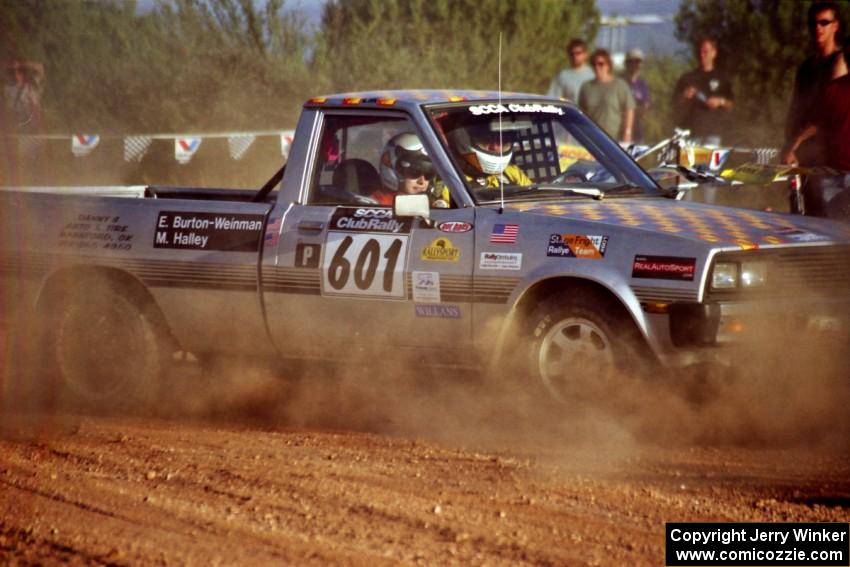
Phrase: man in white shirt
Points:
(567, 83)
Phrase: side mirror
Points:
(413, 206)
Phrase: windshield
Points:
(536, 151)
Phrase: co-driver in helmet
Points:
(485, 155)
(406, 169)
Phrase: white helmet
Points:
(480, 146)
(404, 156)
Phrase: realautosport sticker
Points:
(586, 246)
(664, 268)
(208, 231)
(353, 219)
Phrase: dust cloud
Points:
(776, 392)
(773, 395)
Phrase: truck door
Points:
(348, 274)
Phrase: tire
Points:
(105, 349)
(579, 346)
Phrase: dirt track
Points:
(205, 488)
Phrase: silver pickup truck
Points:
(468, 229)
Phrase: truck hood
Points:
(712, 224)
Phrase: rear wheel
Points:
(580, 345)
(105, 348)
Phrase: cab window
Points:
(367, 160)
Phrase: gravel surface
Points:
(245, 471)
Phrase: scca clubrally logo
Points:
(441, 250)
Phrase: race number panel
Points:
(364, 265)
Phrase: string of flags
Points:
(135, 147)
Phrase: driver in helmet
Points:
(486, 155)
(406, 169)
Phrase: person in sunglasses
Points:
(813, 74)
(406, 169)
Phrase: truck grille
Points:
(804, 272)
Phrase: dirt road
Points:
(361, 470)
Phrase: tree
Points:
(197, 64)
(381, 44)
(760, 43)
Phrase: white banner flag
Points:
(238, 144)
(185, 148)
(135, 147)
(286, 142)
(83, 144)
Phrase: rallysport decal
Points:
(438, 311)
(185, 230)
(664, 268)
(454, 226)
(500, 261)
(588, 246)
(426, 287)
(353, 219)
(441, 249)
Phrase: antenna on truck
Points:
(501, 152)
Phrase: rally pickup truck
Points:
(554, 255)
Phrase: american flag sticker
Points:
(504, 234)
(272, 236)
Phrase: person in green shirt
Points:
(607, 99)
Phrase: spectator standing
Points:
(22, 95)
(640, 91)
(703, 96)
(828, 118)
(567, 83)
(607, 99)
(812, 75)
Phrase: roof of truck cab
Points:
(408, 98)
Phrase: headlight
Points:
(753, 274)
(730, 275)
(725, 275)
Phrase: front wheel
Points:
(579, 346)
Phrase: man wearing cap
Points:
(640, 91)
